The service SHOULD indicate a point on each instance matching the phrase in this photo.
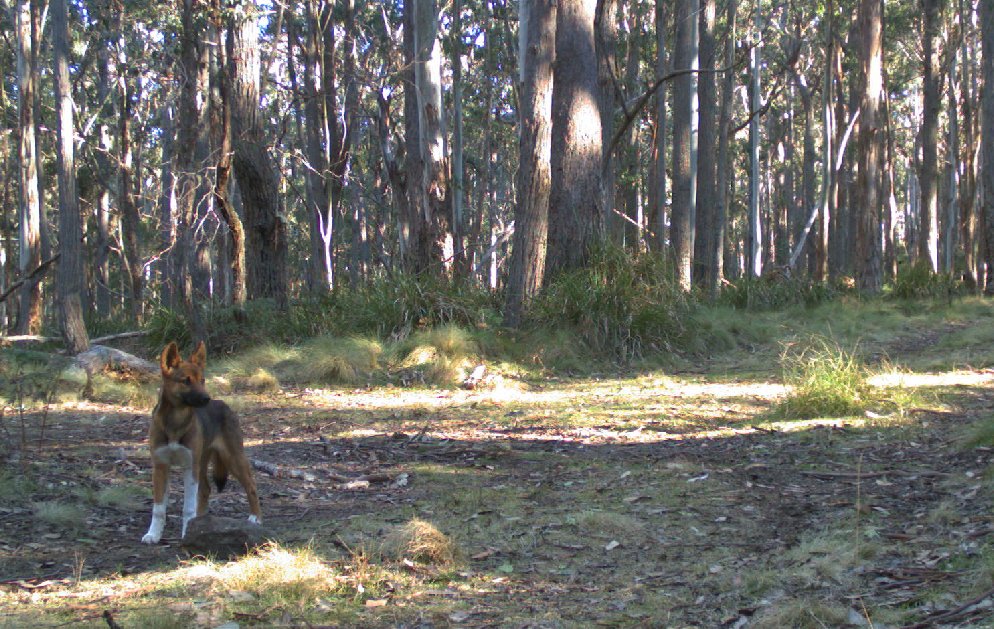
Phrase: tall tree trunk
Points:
(187, 168)
(460, 262)
(968, 182)
(715, 264)
(928, 174)
(987, 138)
(531, 215)
(755, 247)
(706, 243)
(258, 180)
(221, 138)
(577, 144)
(29, 237)
(684, 185)
(827, 138)
(322, 223)
(130, 216)
(427, 175)
(70, 275)
(871, 149)
(657, 191)
(102, 246)
(952, 203)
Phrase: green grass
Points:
(63, 515)
(826, 381)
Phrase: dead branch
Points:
(39, 271)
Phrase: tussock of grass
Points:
(333, 360)
(980, 434)
(441, 356)
(420, 541)
(260, 381)
(295, 576)
(125, 392)
(802, 614)
(618, 306)
(120, 496)
(610, 524)
(66, 515)
(14, 487)
(826, 381)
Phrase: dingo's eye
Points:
(187, 380)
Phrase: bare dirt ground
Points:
(645, 500)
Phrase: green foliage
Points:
(165, 326)
(826, 381)
(395, 306)
(618, 306)
(775, 291)
(920, 282)
(28, 376)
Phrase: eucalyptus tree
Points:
(987, 138)
(871, 148)
(537, 57)
(70, 273)
(684, 167)
(928, 172)
(29, 203)
(255, 172)
(575, 218)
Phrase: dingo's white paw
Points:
(254, 519)
(149, 538)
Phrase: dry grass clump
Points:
(259, 381)
(334, 360)
(420, 541)
(296, 575)
(611, 524)
(441, 356)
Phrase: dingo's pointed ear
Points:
(199, 355)
(170, 358)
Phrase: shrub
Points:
(620, 307)
(773, 291)
(919, 281)
(395, 306)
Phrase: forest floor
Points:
(636, 499)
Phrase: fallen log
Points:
(100, 358)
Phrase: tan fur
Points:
(190, 430)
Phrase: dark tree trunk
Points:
(70, 275)
(716, 267)
(577, 145)
(187, 167)
(221, 139)
(987, 139)
(707, 244)
(29, 314)
(868, 198)
(684, 186)
(258, 180)
(534, 178)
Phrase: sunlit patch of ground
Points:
(959, 378)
